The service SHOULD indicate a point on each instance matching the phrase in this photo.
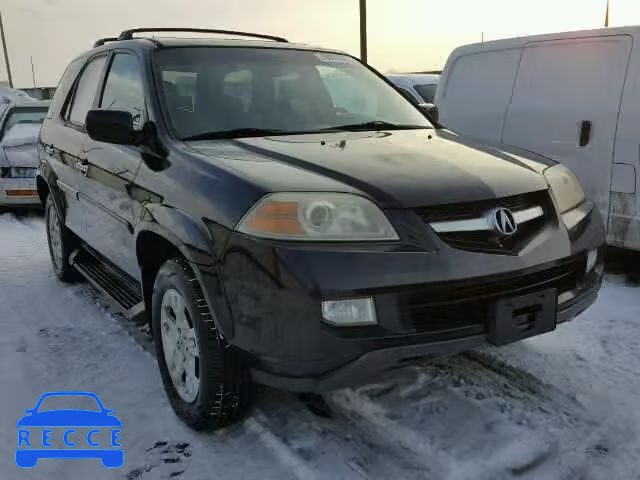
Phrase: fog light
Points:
(349, 313)
(592, 258)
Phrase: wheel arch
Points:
(44, 187)
(167, 233)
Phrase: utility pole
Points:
(6, 55)
(33, 72)
(363, 30)
(606, 15)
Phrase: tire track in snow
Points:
(339, 444)
(475, 422)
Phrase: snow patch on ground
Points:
(561, 406)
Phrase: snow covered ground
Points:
(560, 406)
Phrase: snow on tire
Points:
(207, 384)
(61, 243)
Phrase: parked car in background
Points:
(570, 96)
(11, 95)
(419, 87)
(281, 214)
(19, 130)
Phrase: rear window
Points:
(23, 115)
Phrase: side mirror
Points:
(430, 109)
(111, 126)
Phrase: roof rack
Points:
(102, 41)
(128, 34)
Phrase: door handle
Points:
(82, 166)
(49, 150)
(585, 132)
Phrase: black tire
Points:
(225, 389)
(68, 243)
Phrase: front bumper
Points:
(431, 299)
(376, 363)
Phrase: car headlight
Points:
(565, 187)
(317, 217)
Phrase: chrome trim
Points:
(527, 215)
(483, 223)
(68, 190)
(469, 225)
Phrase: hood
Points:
(402, 168)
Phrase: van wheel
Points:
(61, 243)
(205, 380)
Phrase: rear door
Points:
(63, 135)
(565, 105)
(112, 168)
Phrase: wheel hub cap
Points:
(181, 352)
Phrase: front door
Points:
(112, 168)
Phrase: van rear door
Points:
(565, 105)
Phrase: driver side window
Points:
(123, 88)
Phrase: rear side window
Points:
(123, 88)
(63, 87)
(86, 89)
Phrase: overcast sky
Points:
(404, 35)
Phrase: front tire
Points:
(61, 243)
(207, 384)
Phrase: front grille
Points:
(467, 304)
(486, 241)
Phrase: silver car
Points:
(19, 130)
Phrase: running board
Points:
(122, 289)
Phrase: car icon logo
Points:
(504, 222)
(84, 433)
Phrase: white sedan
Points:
(19, 130)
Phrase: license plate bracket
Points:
(523, 317)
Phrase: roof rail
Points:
(102, 41)
(128, 34)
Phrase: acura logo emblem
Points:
(504, 221)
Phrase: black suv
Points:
(282, 214)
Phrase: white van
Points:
(573, 97)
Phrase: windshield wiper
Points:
(237, 133)
(375, 125)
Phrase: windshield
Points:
(19, 115)
(223, 89)
(69, 402)
(427, 92)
